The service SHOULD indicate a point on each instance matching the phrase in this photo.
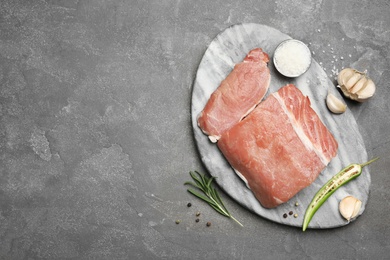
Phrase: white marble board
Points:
(229, 48)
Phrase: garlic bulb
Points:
(355, 84)
(349, 207)
(334, 104)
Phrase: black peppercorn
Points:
(189, 204)
(285, 215)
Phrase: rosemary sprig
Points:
(210, 195)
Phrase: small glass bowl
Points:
(288, 46)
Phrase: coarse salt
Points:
(292, 58)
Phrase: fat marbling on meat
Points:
(280, 147)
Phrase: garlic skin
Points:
(349, 207)
(334, 104)
(355, 84)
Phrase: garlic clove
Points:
(344, 75)
(359, 85)
(352, 80)
(349, 207)
(334, 104)
(368, 91)
(355, 85)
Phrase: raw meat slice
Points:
(280, 147)
(237, 95)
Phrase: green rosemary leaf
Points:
(191, 184)
(204, 180)
(219, 210)
(200, 196)
(220, 200)
(198, 181)
(208, 184)
(211, 196)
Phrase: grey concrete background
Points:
(96, 140)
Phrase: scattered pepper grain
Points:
(197, 220)
(285, 215)
(290, 213)
(208, 224)
(189, 204)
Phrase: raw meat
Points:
(237, 95)
(280, 147)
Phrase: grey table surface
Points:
(96, 139)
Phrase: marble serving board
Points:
(230, 47)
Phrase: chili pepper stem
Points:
(369, 162)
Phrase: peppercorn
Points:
(177, 221)
(290, 213)
(285, 215)
(197, 220)
(295, 215)
(296, 204)
(189, 204)
(208, 224)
